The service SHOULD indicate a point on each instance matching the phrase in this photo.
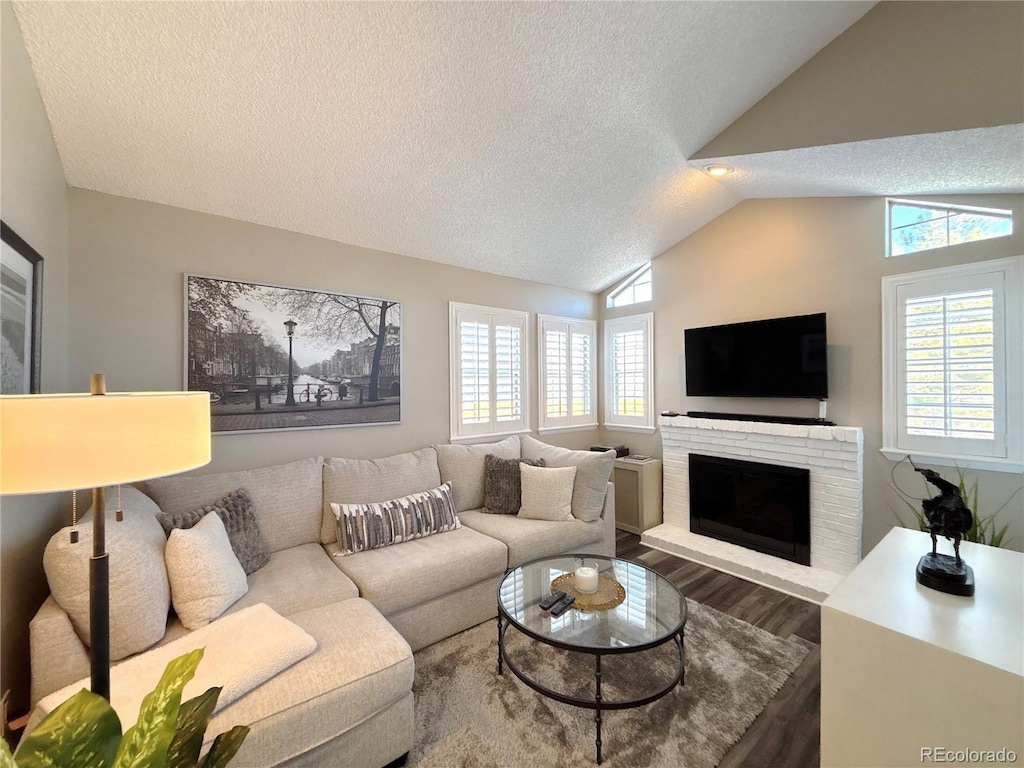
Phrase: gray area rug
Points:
(469, 717)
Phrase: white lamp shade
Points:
(67, 442)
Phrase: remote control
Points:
(563, 605)
(547, 602)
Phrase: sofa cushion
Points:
(297, 579)
(361, 667)
(235, 511)
(592, 472)
(503, 484)
(413, 572)
(140, 595)
(206, 577)
(532, 539)
(287, 498)
(547, 493)
(463, 467)
(378, 524)
(355, 481)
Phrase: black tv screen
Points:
(781, 357)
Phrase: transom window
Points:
(920, 226)
(634, 289)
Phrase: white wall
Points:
(33, 202)
(771, 258)
(127, 314)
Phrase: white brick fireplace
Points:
(833, 455)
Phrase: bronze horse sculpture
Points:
(947, 514)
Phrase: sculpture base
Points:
(941, 573)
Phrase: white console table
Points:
(904, 667)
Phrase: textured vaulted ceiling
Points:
(558, 142)
(545, 141)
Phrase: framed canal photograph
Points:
(274, 357)
(21, 304)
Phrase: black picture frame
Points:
(21, 310)
(346, 365)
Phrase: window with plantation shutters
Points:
(629, 386)
(953, 364)
(567, 368)
(488, 376)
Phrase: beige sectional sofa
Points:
(350, 703)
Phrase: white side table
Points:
(906, 668)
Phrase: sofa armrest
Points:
(608, 522)
(59, 657)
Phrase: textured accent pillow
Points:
(236, 512)
(547, 492)
(206, 577)
(463, 467)
(502, 484)
(593, 469)
(139, 594)
(378, 524)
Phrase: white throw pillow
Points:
(139, 594)
(206, 577)
(594, 471)
(547, 492)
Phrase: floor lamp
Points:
(54, 443)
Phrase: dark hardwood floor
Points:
(785, 734)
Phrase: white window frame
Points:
(1006, 452)
(492, 317)
(892, 201)
(627, 284)
(645, 323)
(570, 326)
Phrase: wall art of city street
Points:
(273, 357)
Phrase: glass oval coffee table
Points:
(651, 614)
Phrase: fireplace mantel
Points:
(833, 454)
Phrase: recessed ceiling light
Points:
(718, 170)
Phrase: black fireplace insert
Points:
(764, 507)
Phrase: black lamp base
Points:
(941, 573)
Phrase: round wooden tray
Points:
(609, 593)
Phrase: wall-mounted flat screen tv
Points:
(781, 357)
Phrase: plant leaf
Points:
(225, 747)
(146, 743)
(6, 758)
(193, 717)
(83, 731)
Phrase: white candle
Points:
(586, 579)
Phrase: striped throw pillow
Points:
(377, 524)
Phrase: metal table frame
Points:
(598, 703)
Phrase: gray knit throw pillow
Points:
(235, 511)
(503, 490)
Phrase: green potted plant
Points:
(983, 530)
(85, 732)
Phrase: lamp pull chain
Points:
(74, 517)
(120, 512)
